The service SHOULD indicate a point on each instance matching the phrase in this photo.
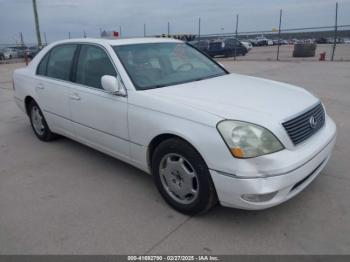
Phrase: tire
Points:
(38, 123)
(166, 157)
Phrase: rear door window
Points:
(60, 61)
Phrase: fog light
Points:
(259, 197)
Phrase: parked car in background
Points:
(247, 45)
(321, 40)
(226, 47)
(309, 41)
(280, 42)
(260, 41)
(33, 51)
(2, 56)
(161, 105)
(10, 53)
(202, 45)
(20, 50)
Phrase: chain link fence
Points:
(272, 46)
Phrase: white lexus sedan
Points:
(161, 105)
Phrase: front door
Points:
(99, 118)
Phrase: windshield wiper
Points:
(182, 82)
(207, 77)
(153, 87)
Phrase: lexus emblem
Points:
(312, 122)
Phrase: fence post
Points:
(26, 57)
(335, 30)
(279, 37)
(237, 17)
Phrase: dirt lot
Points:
(65, 198)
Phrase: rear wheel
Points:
(38, 123)
(182, 177)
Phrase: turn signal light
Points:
(237, 152)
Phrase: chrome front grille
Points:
(305, 125)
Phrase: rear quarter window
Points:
(41, 70)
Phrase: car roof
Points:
(123, 41)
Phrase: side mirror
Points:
(112, 85)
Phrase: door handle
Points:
(40, 86)
(75, 96)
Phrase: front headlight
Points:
(246, 140)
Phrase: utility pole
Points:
(199, 30)
(84, 34)
(279, 36)
(168, 29)
(144, 30)
(237, 18)
(335, 30)
(37, 28)
(120, 31)
(68, 35)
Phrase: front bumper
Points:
(230, 188)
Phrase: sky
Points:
(58, 17)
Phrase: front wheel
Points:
(182, 177)
(38, 123)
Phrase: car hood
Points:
(240, 97)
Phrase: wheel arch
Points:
(157, 140)
(27, 101)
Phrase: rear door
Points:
(52, 87)
(99, 117)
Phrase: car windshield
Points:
(163, 64)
